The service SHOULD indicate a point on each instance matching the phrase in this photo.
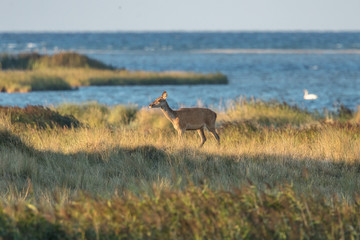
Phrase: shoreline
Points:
(24, 81)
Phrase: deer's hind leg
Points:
(202, 136)
(213, 131)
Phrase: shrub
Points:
(38, 117)
(35, 61)
(22, 61)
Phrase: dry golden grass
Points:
(136, 151)
(279, 167)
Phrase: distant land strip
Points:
(69, 70)
(279, 51)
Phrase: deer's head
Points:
(159, 102)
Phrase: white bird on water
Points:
(308, 96)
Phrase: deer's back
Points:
(196, 116)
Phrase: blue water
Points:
(264, 65)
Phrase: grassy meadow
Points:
(91, 171)
(66, 71)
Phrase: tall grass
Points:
(196, 213)
(96, 115)
(124, 171)
(20, 81)
(270, 113)
(123, 145)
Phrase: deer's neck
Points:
(169, 113)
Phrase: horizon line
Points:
(176, 31)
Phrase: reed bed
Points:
(280, 172)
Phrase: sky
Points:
(179, 15)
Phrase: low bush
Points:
(38, 117)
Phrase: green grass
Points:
(280, 172)
(66, 71)
(195, 213)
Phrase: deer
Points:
(187, 119)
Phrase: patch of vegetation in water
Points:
(68, 70)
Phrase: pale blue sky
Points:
(175, 15)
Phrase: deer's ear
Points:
(164, 95)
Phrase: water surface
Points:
(263, 65)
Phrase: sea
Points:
(265, 66)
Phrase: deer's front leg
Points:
(180, 133)
(179, 129)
